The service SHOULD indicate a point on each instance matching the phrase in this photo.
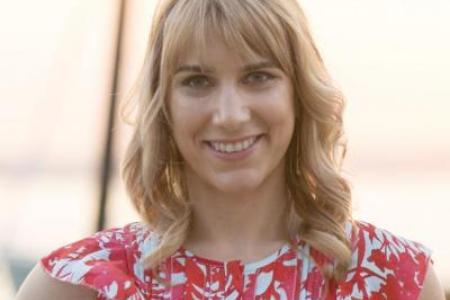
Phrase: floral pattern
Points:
(384, 266)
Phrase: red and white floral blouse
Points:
(384, 266)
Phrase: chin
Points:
(236, 189)
(238, 184)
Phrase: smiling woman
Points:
(233, 126)
(235, 168)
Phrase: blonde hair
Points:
(277, 29)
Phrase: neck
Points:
(238, 222)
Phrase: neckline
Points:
(249, 267)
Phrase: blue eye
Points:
(258, 77)
(197, 82)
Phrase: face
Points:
(232, 119)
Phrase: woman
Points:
(235, 168)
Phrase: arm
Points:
(432, 289)
(40, 286)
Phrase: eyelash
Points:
(265, 74)
(187, 82)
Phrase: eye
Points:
(258, 77)
(196, 82)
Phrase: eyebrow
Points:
(246, 68)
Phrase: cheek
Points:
(278, 109)
(187, 120)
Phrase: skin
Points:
(232, 201)
(432, 288)
(40, 286)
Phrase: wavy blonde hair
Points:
(277, 29)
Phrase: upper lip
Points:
(233, 140)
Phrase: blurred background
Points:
(65, 64)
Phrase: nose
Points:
(231, 110)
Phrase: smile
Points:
(227, 147)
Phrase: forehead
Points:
(202, 31)
(217, 53)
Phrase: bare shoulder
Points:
(432, 289)
(39, 286)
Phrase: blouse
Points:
(383, 266)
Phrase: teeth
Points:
(233, 147)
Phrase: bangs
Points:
(245, 26)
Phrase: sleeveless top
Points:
(383, 266)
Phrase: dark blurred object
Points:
(106, 168)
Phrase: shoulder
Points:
(432, 288)
(40, 286)
(376, 240)
(385, 264)
(105, 263)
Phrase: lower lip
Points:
(238, 155)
